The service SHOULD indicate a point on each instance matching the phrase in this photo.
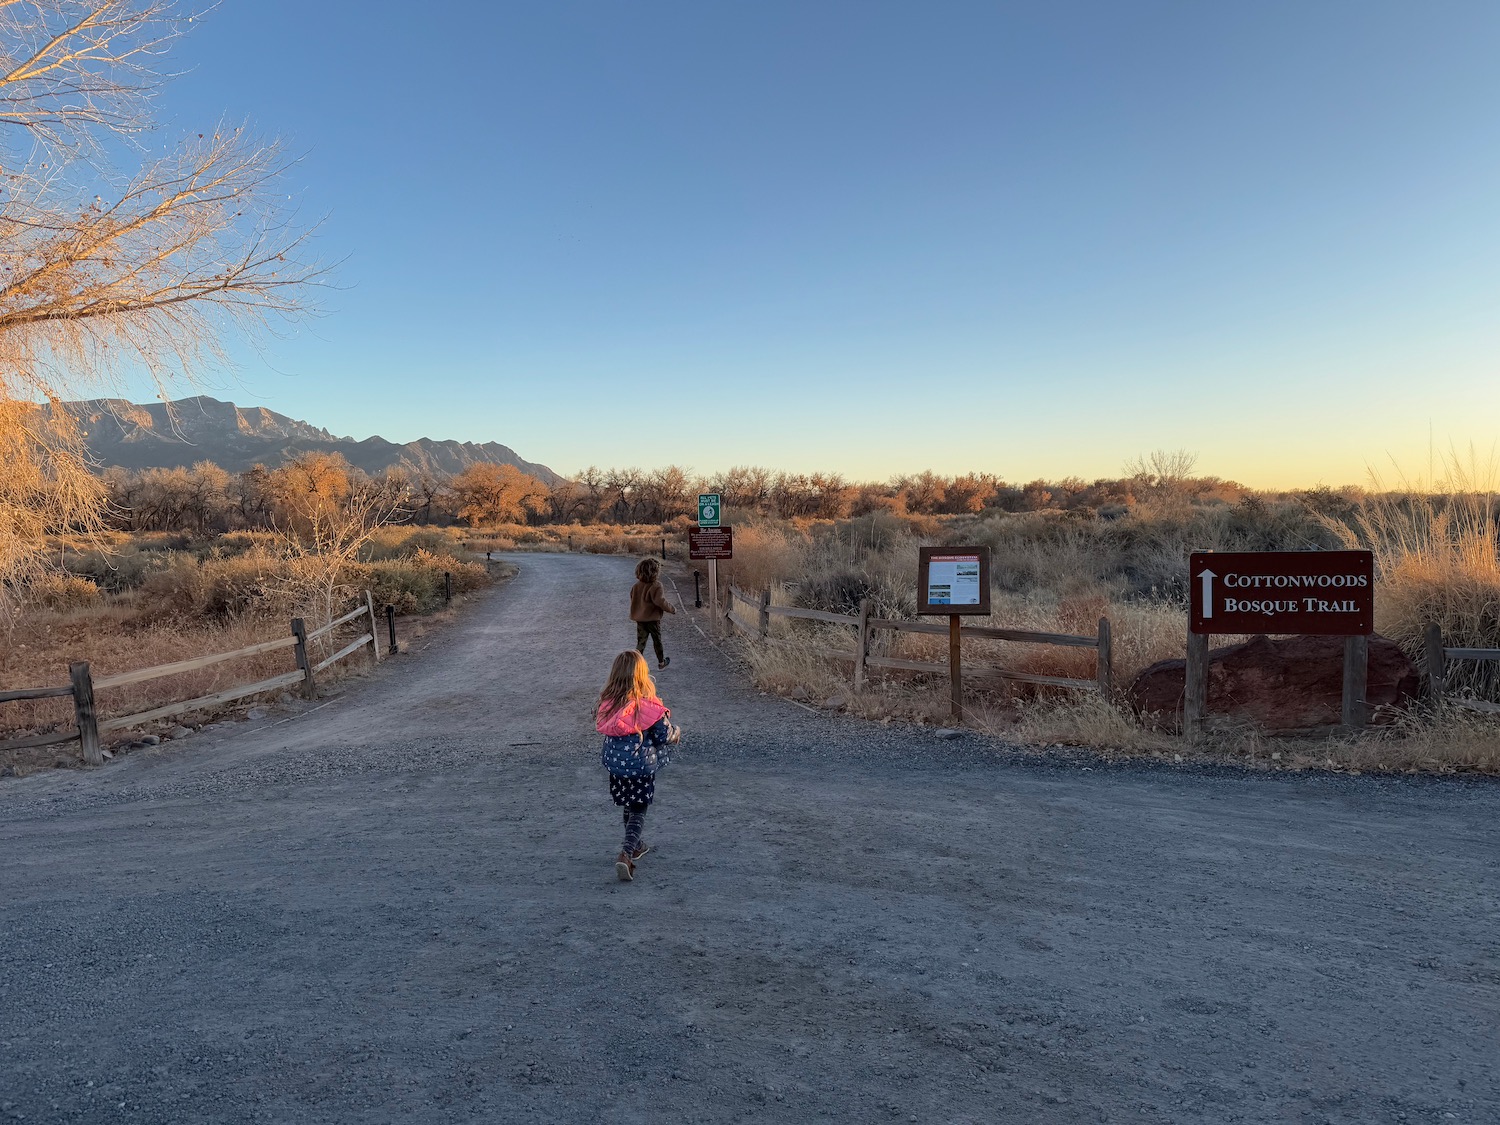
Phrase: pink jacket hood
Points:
(642, 714)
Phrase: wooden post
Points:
(1103, 669)
(765, 612)
(299, 630)
(713, 596)
(1356, 672)
(83, 711)
(374, 628)
(447, 587)
(390, 629)
(864, 643)
(1195, 686)
(1437, 663)
(663, 548)
(955, 668)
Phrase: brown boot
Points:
(624, 868)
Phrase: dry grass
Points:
(1058, 573)
(1436, 561)
(187, 601)
(594, 539)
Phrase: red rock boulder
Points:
(1289, 684)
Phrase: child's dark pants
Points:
(651, 629)
(635, 824)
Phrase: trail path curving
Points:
(401, 906)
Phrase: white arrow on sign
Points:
(1208, 577)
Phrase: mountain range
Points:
(169, 435)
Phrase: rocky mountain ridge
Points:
(169, 435)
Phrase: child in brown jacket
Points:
(648, 601)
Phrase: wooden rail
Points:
(1438, 656)
(89, 727)
(865, 624)
(140, 675)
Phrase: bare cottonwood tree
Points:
(104, 269)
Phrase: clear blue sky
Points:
(877, 237)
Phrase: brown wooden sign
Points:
(1329, 593)
(710, 543)
(953, 580)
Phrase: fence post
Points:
(1437, 663)
(390, 628)
(1195, 686)
(299, 630)
(1356, 672)
(864, 643)
(447, 586)
(83, 711)
(955, 667)
(374, 627)
(1103, 669)
(765, 612)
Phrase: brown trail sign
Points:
(711, 544)
(1324, 593)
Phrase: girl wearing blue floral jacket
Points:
(637, 729)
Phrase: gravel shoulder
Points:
(401, 906)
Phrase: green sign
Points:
(708, 509)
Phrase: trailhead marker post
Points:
(1307, 593)
(953, 582)
(711, 541)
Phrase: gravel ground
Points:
(401, 906)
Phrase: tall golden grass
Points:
(1436, 561)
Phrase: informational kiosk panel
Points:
(1328, 593)
(953, 581)
(710, 543)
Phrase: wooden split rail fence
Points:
(867, 625)
(89, 728)
(1438, 656)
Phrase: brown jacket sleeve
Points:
(659, 598)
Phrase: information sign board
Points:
(953, 580)
(709, 509)
(710, 543)
(1327, 593)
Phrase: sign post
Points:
(1318, 593)
(709, 510)
(953, 582)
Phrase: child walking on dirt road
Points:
(637, 729)
(648, 601)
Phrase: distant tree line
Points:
(206, 499)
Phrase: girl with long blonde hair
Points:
(637, 728)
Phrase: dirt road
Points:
(402, 907)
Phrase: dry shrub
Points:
(1436, 561)
(765, 554)
(64, 592)
(253, 584)
(1079, 719)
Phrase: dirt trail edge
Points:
(402, 907)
